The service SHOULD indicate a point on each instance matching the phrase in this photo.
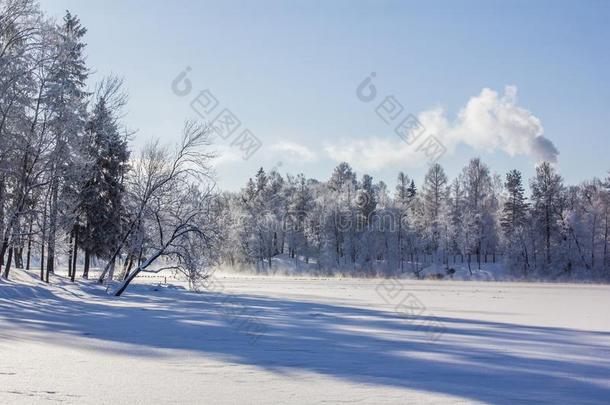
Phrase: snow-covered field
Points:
(304, 340)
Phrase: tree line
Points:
(71, 189)
(363, 227)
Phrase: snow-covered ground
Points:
(304, 340)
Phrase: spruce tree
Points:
(101, 204)
(515, 208)
(402, 189)
(66, 98)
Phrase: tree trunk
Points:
(4, 248)
(87, 262)
(548, 234)
(43, 235)
(593, 242)
(2, 230)
(133, 275)
(42, 246)
(74, 254)
(582, 256)
(400, 243)
(110, 272)
(52, 229)
(46, 273)
(28, 253)
(18, 257)
(526, 265)
(128, 266)
(606, 239)
(71, 239)
(7, 269)
(122, 243)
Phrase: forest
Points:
(366, 228)
(74, 191)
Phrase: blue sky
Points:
(289, 71)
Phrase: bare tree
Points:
(161, 185)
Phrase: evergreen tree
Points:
(402, 189)
(412, 190)
(514, 212)
(343, 176)
(367, 202)
(66, 97)
(101, 199)
(547, 196)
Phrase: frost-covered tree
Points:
(514, 212)
(548, 195)
(477, 186)
(67, 99)
(343, 178)
(514, 221)
(366, 199)
(100, 206)
(172, 194)
(63, 172)
(24, 62)
(434, 198)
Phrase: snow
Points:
(271, 339)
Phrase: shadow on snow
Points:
(488, 361)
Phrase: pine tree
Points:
(343, 176)
(100, 201)
(514, 212)
(367, 202)
(261, 180)
(67, 99)
(412, 190)
(402, 189)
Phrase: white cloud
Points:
(226, 154)
(488, 122)
(375, 153)
(294, 150)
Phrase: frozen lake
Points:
(303, 340)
